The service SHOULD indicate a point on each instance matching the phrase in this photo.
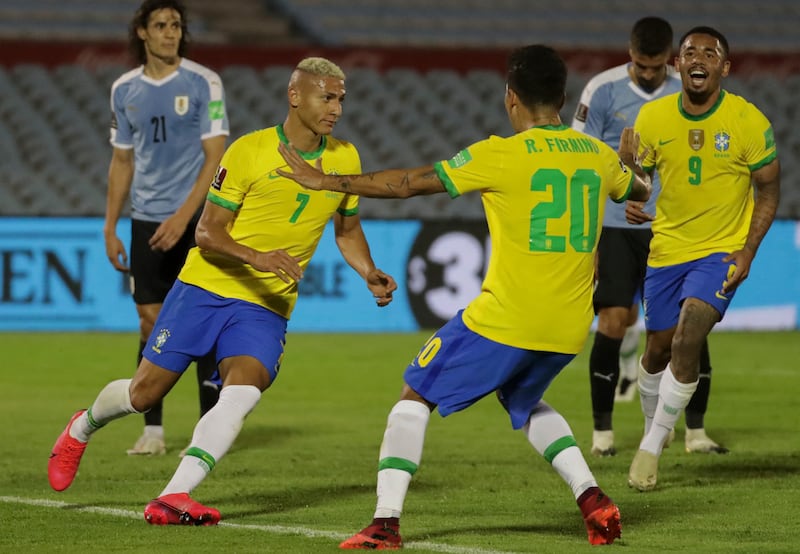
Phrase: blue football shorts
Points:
(457, 367)
(665, 289)
(194, 322)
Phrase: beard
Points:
(698, 97)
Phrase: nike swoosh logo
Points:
(720, 295)
(663, 142)
(272, 175)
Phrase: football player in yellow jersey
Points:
(710, 148)
(544, 191)
(237, 289)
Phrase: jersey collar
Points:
(702, 116)
(551, 127)
(305, 155)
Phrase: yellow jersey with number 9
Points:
(544, 192)
(271, 213)
(705, 163)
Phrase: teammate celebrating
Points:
(710, 147)
(610, 101)
(238, 288)
(543, 190)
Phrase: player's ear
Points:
(726, 68)
(294, 97)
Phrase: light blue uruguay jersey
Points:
(609, 103)
(165, 122)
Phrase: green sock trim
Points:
(92, 423)
(398, 463)
(557, 447)
(203, 455)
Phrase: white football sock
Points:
(400, 454)
(113, 402)
(154, 431)
(551, 436)
(213, 436)
(629, 367)
(672, 399)
(648, 394)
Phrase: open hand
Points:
(302, 173)
(628, 149)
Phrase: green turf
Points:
(305, 461)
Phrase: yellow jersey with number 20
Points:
(543, 191)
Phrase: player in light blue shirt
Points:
(610, 102)
(168, 130)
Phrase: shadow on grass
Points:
(260, 436)
(299, 497)
(552, 529)
(701, 469)
(287, 500)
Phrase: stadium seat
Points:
(54, 127)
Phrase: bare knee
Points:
(658, 351)
(148, 313)
(142, 397)
(410, 394)
(613, 322)
(150, 384)
(244, 370)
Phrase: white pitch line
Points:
(274, 529)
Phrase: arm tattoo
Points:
(393, 183)
(766, 205)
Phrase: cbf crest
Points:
(181, 104)
(696, 138)
(161, 339)
(722, 141)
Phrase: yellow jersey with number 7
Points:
(271, 213)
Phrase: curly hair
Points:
(142, 17)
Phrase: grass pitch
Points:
(301, 475)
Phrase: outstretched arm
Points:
(391, 183)
(767, 181)
(354, 248)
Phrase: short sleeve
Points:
(121, 135)
(760, 148)
(232, 181)
(590, 114)
(621, 176)
(214, 117)
(473, 168)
